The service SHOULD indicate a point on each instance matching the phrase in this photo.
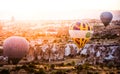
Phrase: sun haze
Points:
(53, 9)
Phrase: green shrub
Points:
(111, 73)
(17, 68)
(69, 64)
(96, 73)
(79, 67)
(4, 71)
(73, 63)
(41, 71)
(52, 66)
(59, 72)
(62, 64)
(110, 64)
(31, 65)
(24, 67)
(86, 66)
(88, 72)
(1, 65)
(31, 70)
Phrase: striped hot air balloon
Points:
(15, 48)
(80, 33)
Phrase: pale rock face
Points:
(30, 58)
(98, 54)
(54, 48)
(44, 47)
(55, 52)
(109, 57)
(101, 53)
(84, 51)
(67, 50)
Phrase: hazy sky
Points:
(55, 9)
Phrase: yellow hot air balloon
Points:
(80, 33)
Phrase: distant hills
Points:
(65, 15)
(116, 14)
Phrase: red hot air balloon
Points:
(106, 18)
(15, 48)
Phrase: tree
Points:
(52, 66)
(60, 72)
(41, 71)
(4, 71)
(73, 63)
(79, 68)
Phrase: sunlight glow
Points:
(56, 9)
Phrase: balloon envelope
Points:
(15, 47)
(106, 18)
(80, 33)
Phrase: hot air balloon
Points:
(106, 18)
(80, 33)
(15, 48)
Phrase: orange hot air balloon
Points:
(80, 33)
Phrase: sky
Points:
(55, 9)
